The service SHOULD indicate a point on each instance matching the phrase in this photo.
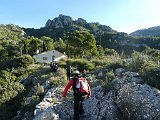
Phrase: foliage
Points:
(110, 52)
(99, 62)
(155, 55)
(25, 60)
(151, 74)
(39, 90)
(82, 44)
(100, 50)
(35, 44)
(8, 85)
(108, 85)
(22, 61)
(137, 61)
(9, 92)
(152, 31)
(110, 75)
(60, 46)
(81, 64)
(78, 39)
(115, 65)
(47, 43)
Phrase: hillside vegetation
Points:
(62, 26)
(151, 32)
(90, 47)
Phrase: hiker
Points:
(68, 71)
(54, 67)
(78, 96)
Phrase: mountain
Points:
(63, 21)
(105, 36)
(11, 32)
(150, 32)
(63, 24)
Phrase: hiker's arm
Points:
(67, 87)
(89, 94)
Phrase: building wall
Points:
(46, 57)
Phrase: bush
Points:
(81, 64)
(151, 75)
(25, 60)
(8, 64)
(39, 90)
(110, 75)
(22, 61)
(110, 52)
(99, 62)
(138, 60)
(116, 65)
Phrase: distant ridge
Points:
(149, 32)
(62, 24)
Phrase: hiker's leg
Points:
(68, 76)
(81, 105)
(76, 107)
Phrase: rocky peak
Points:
(60, 22)
(81, 21)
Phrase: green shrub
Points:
(151, 75)
(10, 91)
(116, 65)
(62, 64)
(110, 75)
(25, 60)
(22, 61)
(110, 52)
(39, 90)
(81, 64)
(99, 62)
(8, 64)
(138, 59)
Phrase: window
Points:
(44, 58)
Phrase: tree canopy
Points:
(81, 44)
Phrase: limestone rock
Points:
(127, 77)
(129, 100)
(59, 22)
(118, 72)
(139, 102)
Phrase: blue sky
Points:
(121, 15)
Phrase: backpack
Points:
(80, 86)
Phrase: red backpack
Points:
(80, 86)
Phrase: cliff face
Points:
(60, 22)
(129, 99)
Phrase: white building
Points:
(49, 56)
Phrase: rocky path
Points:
(129, 99)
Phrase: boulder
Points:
(127, 77)
(118, 72)
(139, 102)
